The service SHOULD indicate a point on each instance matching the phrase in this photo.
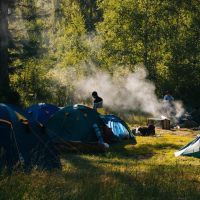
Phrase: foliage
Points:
(161, 34)
(48, 36)
(113, 34)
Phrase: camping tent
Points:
(42, 112)
(118, 126)
(76, 125)
(23, 142)
(191, 149)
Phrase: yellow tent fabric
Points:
(21, 118)
(101, 111)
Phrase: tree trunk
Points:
(4, 77)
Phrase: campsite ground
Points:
(147, 170)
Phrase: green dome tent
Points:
(77, 127)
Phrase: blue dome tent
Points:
(42, 112)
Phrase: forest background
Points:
(47, 45)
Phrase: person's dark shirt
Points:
(98, 102)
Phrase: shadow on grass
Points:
(125, 150)
(103, 177)
(159, 182)
(139, 152)
(79, 162)
(87, 180)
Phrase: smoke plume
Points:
(132, 91)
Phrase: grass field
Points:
(147, 170)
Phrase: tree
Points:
(45, 36)
(164, 35)
(4, 77)
(91, 13)
(129, 33)
(184, 43)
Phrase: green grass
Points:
(147, 170)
